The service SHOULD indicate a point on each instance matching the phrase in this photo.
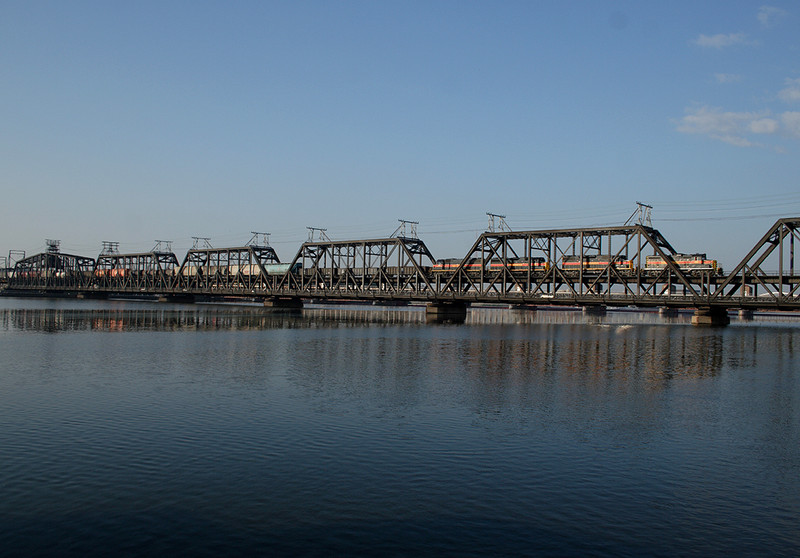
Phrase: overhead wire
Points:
(730, 209)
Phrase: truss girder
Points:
(767, 273)
(135, 273)
(568, 266)
(569, 262)
(238, 270)
(396, 267)
(52, 271)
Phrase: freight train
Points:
(246, 270)
(515, 265)
(687, 263)
(570, 265)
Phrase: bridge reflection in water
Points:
(568, 341)
(134, 316)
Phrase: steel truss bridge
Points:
(589, 267)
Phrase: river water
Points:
(144, 429)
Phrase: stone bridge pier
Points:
(441, 312)
(713, 316)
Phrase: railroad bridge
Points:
(630, 265)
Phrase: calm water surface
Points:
(139, 428)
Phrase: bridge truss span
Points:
(606, 265)
(387, 268)
(767, 276)
(146, 272)
(238, 270)
(52, 270)
(630, 265)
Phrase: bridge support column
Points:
(283, 303)
(710, 317)
(177, 298)
(746, 315)
(440, 312)
(93, 296)
(594, 310)
(667, 312)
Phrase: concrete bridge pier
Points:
(440, 312)
(746, 315)
(177, 298)
(287, 303)
(713, 316)
(667, 312)
(93, 296)
(594, 310)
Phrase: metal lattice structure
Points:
(609, 266)
(135, 273)
(52, 270)
(387, 268)
(766, 277)
(239, 270)
(576, 266)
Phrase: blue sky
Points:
(136, 121)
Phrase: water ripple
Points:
(214, 431)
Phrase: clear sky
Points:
(136, 121)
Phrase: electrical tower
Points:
(110, 248)
(314, 232)
(407, 229)
(497, 223)
(259, 240)
(53, 246)
(163, 246)
(201, 243)
(642, 215)
(14, 256)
